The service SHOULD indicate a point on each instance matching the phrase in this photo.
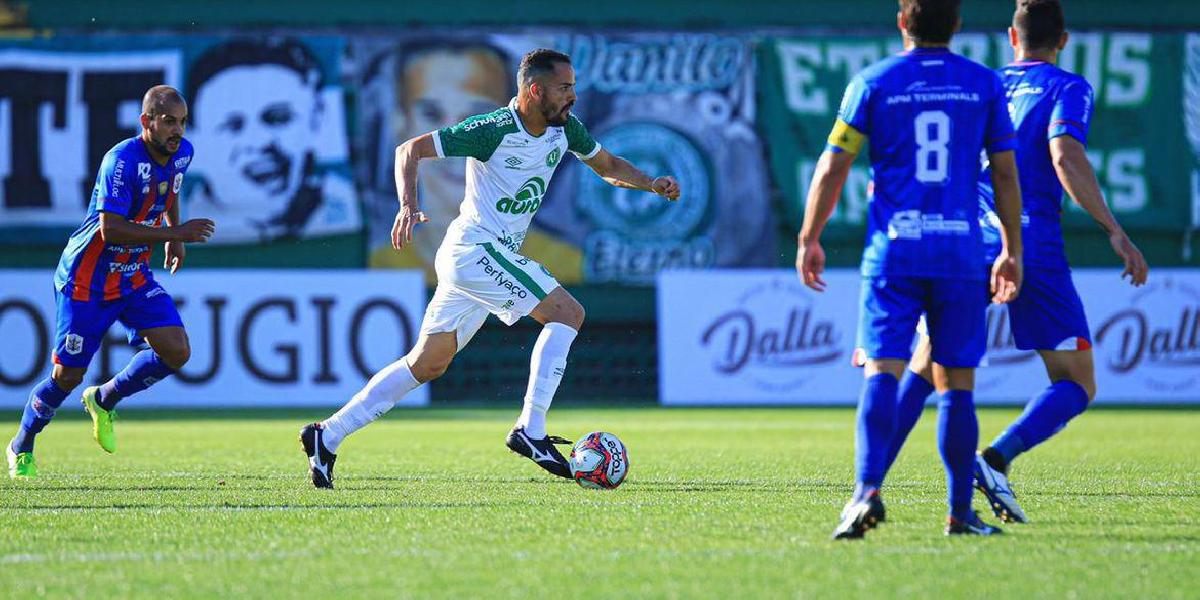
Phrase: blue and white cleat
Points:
(972, 526)
(994, 485)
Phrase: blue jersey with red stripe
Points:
(1045, 102)
(927, 114)
(131, 184)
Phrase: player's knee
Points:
(571, 313)
(428, 369)
(67, 378)
(175, 355)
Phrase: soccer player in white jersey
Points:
(513, 152)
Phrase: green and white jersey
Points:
(507, 172)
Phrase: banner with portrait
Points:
(266, 118)
(678, 104)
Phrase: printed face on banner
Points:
(260, 126)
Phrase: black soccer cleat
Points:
(540, 451)
(320, 459)
(972, 526)
(860, 517)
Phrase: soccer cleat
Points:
(859, 517)
(20, 466)
(994, 485)
(102, 420)
(972, 526)
(540, 451)
(320, 459)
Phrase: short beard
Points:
(554, 120)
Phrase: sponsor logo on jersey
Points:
(143, 170)
(501, 277)
(182, 162)
(527, 199)
(498, 119)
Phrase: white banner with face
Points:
(258, 338)
(761, 337)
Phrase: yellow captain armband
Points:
(846, 138)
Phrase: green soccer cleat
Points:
(102, 420)
(20, 466)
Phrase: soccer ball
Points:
(599, 461)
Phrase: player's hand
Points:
(666, 187)
(175, 251)
(810, 263)
(1007, 274)
(402, 229)
(1135, 264)
(195, 231)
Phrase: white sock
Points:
(376, 398)
(546, 368)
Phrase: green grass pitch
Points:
(719, 503)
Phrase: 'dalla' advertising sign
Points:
(258, 338)
(762, 337)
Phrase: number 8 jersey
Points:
(928, 113)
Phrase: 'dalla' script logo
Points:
(775, 329)
(1157, 337)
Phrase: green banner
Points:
(1138, 142)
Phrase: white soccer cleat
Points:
(994, 485)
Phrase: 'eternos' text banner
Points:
(761, 337)
(259, 338)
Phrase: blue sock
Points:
(914, 391)
(144, 370)
(1044, 416)
(876, 421)
(958, 434)
(45, 398)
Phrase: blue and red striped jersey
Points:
(132, 185)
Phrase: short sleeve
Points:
(852, 126)
(115, 183)
(1072, 113)
(853, 110)
(1000, 135)
(579, 141)
(477, 137)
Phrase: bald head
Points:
(161, 99)
(164, 117)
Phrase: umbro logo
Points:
(513, 162)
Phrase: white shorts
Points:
(477, 279)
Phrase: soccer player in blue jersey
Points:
(104, 276)
(1052, 110)
(928, 113)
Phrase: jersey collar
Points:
(512, 107)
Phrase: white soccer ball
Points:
(600, 461)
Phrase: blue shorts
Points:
(1048, 314)
(955, 313)
(83, 325)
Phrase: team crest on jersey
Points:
(73, 344)
(527, 199)
(162, 189)
(143, 170)
(553, 158)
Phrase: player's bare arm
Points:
(621, 173)
(408, 155)
(174, 251)
(828, 180)
(1008, 270)
(1075, 172)
(115, 229)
